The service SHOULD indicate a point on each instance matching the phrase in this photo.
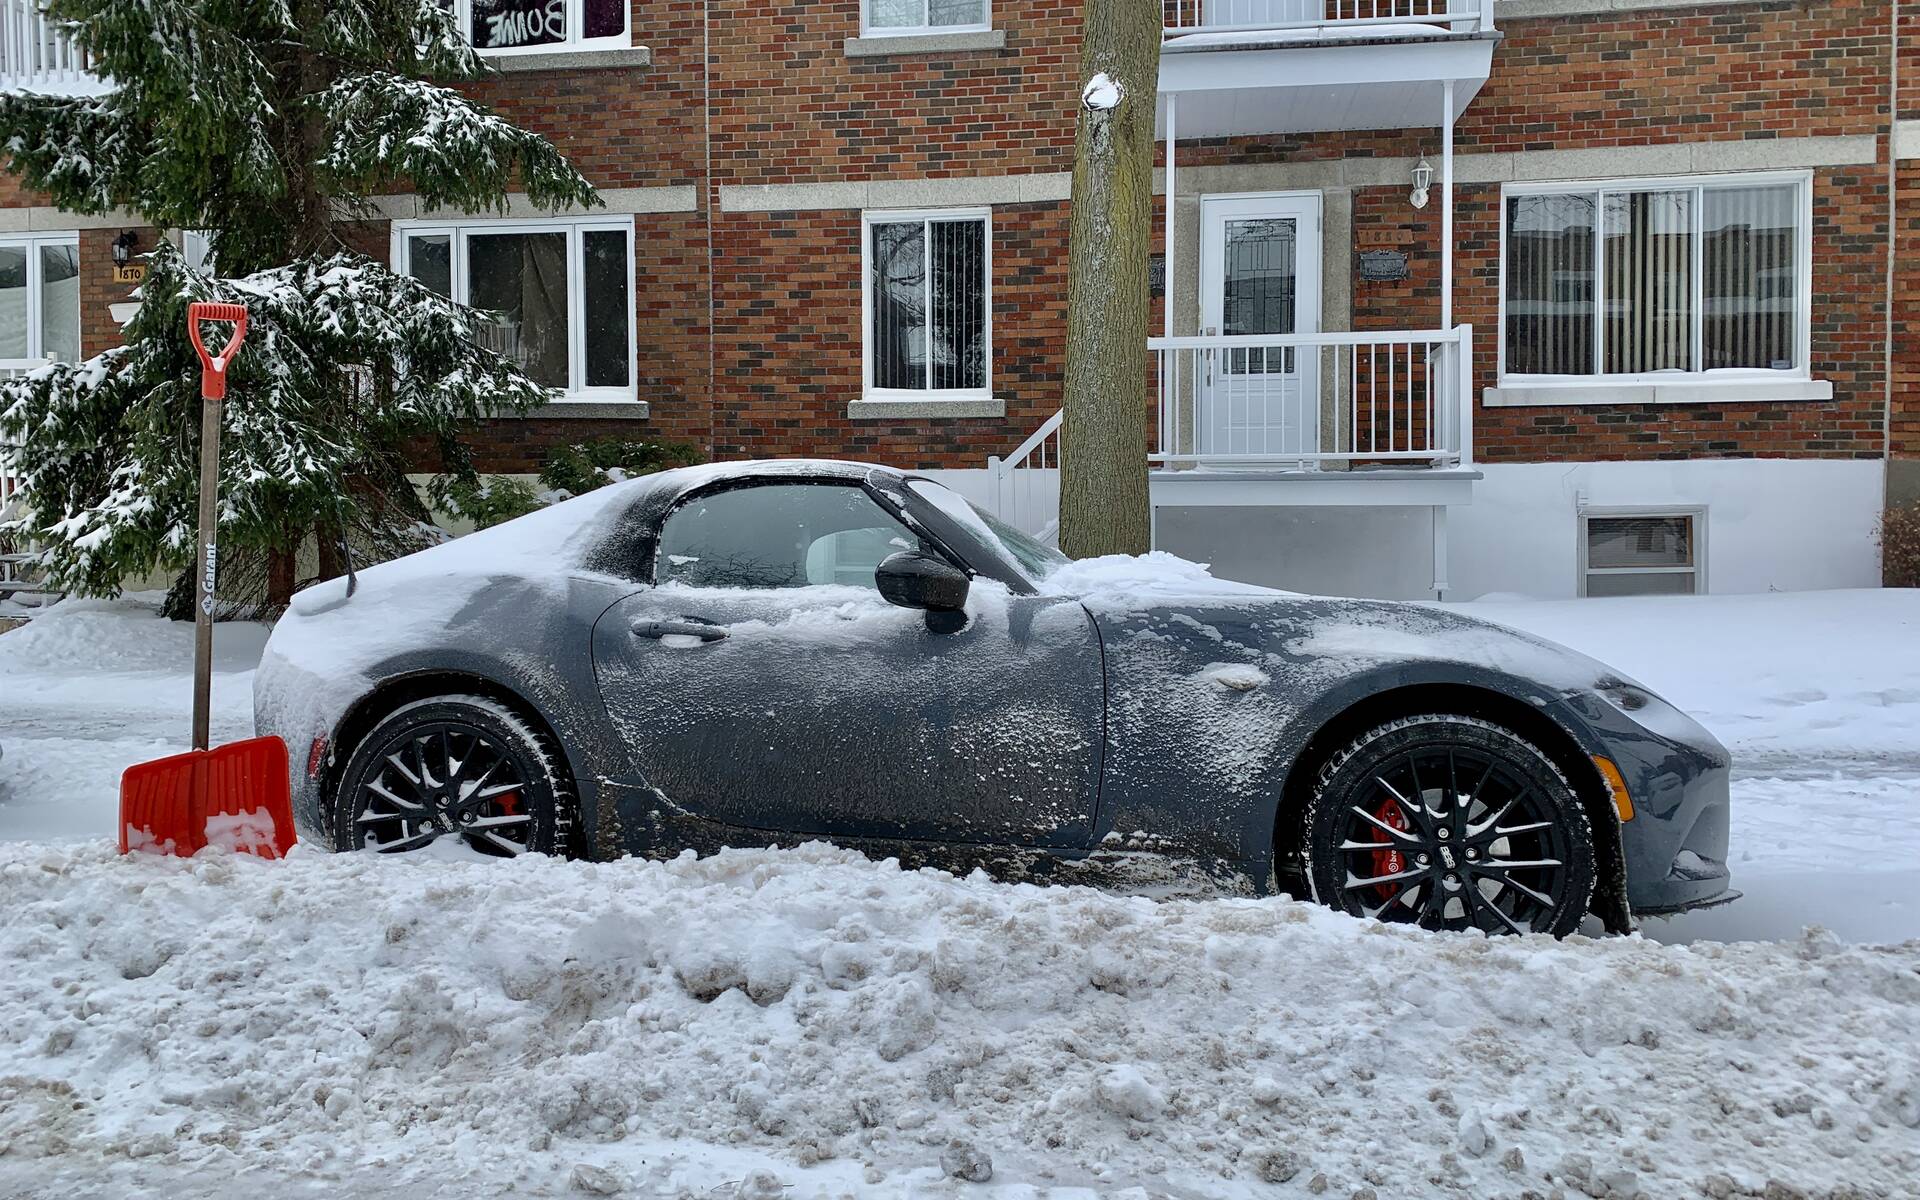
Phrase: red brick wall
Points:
(1906, 315)
(788, 340)
(788, 105)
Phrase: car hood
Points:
(1162, 598)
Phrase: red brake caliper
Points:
(1389, 862)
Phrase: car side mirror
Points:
(915, 579)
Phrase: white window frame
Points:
(1696, 515)
(31, 243)
(576, 25)
(459, 231)
(983, 25)
(1800, 372)
(901, 216)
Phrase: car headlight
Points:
(1629, 698)
(1657, 716)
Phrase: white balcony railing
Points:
(1385, 398)
(36, 57)
(1185, 18)
(1024, 487)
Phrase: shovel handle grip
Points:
(213, 367)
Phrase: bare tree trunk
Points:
(280, 569)
(1103, 436)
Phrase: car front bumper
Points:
(1675, 844)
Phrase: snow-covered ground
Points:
(807, 1023)
(1818, 696)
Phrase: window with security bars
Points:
(928, 303)
(1659, 279)
(1641, 554)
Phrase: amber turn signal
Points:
(1616, 786)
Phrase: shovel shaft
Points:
(206, 568)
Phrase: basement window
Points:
(881, 18)
(529, 26)
(1642, 552)
(560, 293)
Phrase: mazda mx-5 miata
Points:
(765, 653)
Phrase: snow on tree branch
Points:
(383, 127)
(344, 359)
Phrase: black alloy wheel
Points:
(1450, 822)
(465, 767)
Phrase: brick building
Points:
(1547, 296)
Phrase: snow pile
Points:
(1102, 93)
(435, 1025)
(1125, 581)
(90, 687)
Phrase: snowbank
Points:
(437, 1026)
(1779, 677)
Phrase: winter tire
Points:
(1450, 822)
(454, 766)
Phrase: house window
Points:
(1642, 553)
(928, 304)
(560, 291)
(39, 300)
(506, 26)
(920, 16)
(1657, 278)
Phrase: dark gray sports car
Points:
(763, 653)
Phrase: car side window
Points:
(779, 535)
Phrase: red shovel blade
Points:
(235, 796)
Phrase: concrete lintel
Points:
(574, 60)
(883, 410)
(1520, 10)
(1906, 139)
(1604, 162)
(896, 193)
(617, 201)
(927, 44)
(792, 197)
(44, 219)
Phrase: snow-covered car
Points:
(762, 653)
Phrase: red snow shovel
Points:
(235, 795)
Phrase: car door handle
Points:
(693, 627)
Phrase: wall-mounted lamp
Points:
(124, 246)
(1422, 180)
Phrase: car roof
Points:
(679, 481)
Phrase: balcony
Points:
(1237, 67)
(1375, 418)
(36, 57)
(1378, 418)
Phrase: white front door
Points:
(1260, 274)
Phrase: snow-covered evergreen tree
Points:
(267, 124)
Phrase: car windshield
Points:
(1036, 559)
